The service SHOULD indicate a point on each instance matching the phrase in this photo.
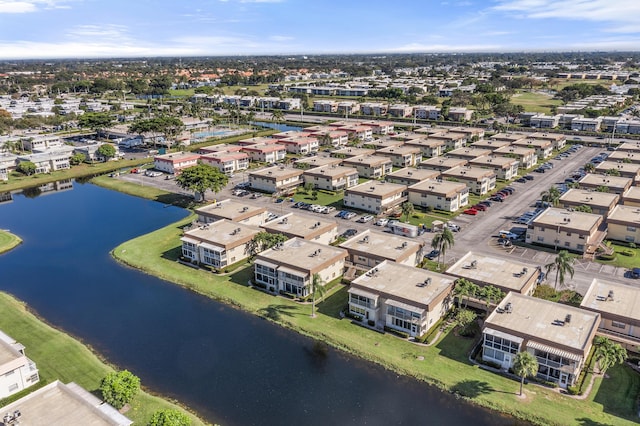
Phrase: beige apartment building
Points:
(505, 274)
(468, 153)
(631, 197)
(310, 228)
(375, 196)
(412, 305)
(370, 166)
(232, 210)
(505, 168)
(442, 164)
(614, 184)
(410, 176)
(600, 202)
(558, 335)
(289, 267)
(275, 179)
(18, 371)
(439, 195)
(526, 156)
(623, 224)
(564, 229)
(429, 147)
(628, 170)
(317, 161)
(331, 178)
(542, 148)
(218, 244)
(402, 156)
(370, 248)
(479, 181)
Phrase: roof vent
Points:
(567, 319)
(610, 295)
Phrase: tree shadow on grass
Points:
(618, 392)
(172, 254)
(455, 347)
(242, 276)
(178, 200)
(589, 422)
(472, 388)
(276, 312)
(332, 305)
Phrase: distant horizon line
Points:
(386, 53)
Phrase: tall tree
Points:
(442, 241)
(106, 151)
(563, 265)
(262, 241)
(589, 167)
(465, 289)
(26, 167)
(407, 210)
(317, 287)
(525, 365)
(490, 294)
(200, 178)
(608, 353)
(551, 195)
(95, 121)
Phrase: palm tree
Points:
(277, 115)
(491, 293)
(442, 241)
(551, 196)
(317, 286)
(465, 288)
(589, 167)
(608, 353)
(562, 264)
(407, 210)
(524, 365)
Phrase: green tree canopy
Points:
(95, 121)
(107, 151)
(407, 209)
(264, 240)
(77, 158)
(119, 388)
(26, 167)
(317, 288)
(608, 353)
(525, 365)
(169, 417)
(200, 178)
(442, 241)
(563, 265)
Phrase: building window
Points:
(567, 244)
(629, 238)
(13, 387)
(617, 324)
(540, 239)
(631, 229)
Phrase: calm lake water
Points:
(231, 367)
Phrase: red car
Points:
(471, 211)
(480, 207)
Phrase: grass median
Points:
(8, 241)
(443, 364)
(60, 357)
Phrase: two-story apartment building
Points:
(526, 156)
(350, 152)
(490, 144)
(371, 248)
(429, 147)
(412, 305)
(307, 163)
(331, 178)
(613, 184)
(558, 335)
(294, 225)
(232, 210)
(543, 148)
(300, 144)
(402, 156)
(451, 140)
(218, 244)
(265, 152)
(439, 195)
(623, 224)
(289, 267)
(629, 170)
(468, 153)
(564, 229)
(370, 166)
(442, 164)
(505, 168)
(49, 161)
(17, 372)
(600, 202)
(631, 197)
(275, 179)
(410, 176)
(375, 197)
(478, 180)
(227, 162)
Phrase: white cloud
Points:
(419, 47)
(280, 38)
(623, 14)
(107, 31)
(29, 6)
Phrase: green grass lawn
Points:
(443, 364)
(60, 357)
(535, 102)
(622, 260)
(324, 198)
(8, 241)
(148, 192)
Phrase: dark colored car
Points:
(349, 232)
(521, 180)
(529, 177)
(498, 199)
(432, 254)
(480, 207)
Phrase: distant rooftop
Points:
(230, 209)
(612, 298)
(302, 255)
(296, 225)
(382, 245)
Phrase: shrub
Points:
(627, 252)
(632, 245)
(168, 417)
(396, 332)
(607, 256)
(119, 389)
(573, 390)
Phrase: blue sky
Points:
(117, 28)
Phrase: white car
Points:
(365, 219)
(382, 222)
(452, 227)
(507, 234)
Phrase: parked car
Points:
(381, 222)
(365, 219)
(349, 215)
(521, 180)
(480, 207)
(539, 170)
(349, 233)
(328, 209)
(452, 226)
(635, 273)
(495, 198)
(432, 254)
(471, 212)
(508, 235)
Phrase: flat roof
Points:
(444, 187)
(367, 160)
(319, 161)
(626, 215)
(333, 171)
(303, 255)
(178, 156)
(8, 353)
(592, 198)
(230, 209)
(515, 150)
(442, 163)
(224, 233)
(469, 172)
(567, 220)
(60, 404)
(605, 180)
(376, 188)
(509, 137)
(277, 172)
(469, 152)
(398, 150)
(421, 141)
(629, 147)
(634, 157)
(493, 161)
(624, 301)
(539, 319)
(382, 245)
(296, 225)
(630, 168)
(632, 194)
(353, 151)
(413, 173)
(383, 280)
(499, 272)
(538, 143)
(385, 143)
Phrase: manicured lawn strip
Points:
(622, 260)
(74, 172)
(535, 102)
(8, 241)
(445, 363)
(59, 356)
(148, 192)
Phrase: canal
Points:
(230, 367)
